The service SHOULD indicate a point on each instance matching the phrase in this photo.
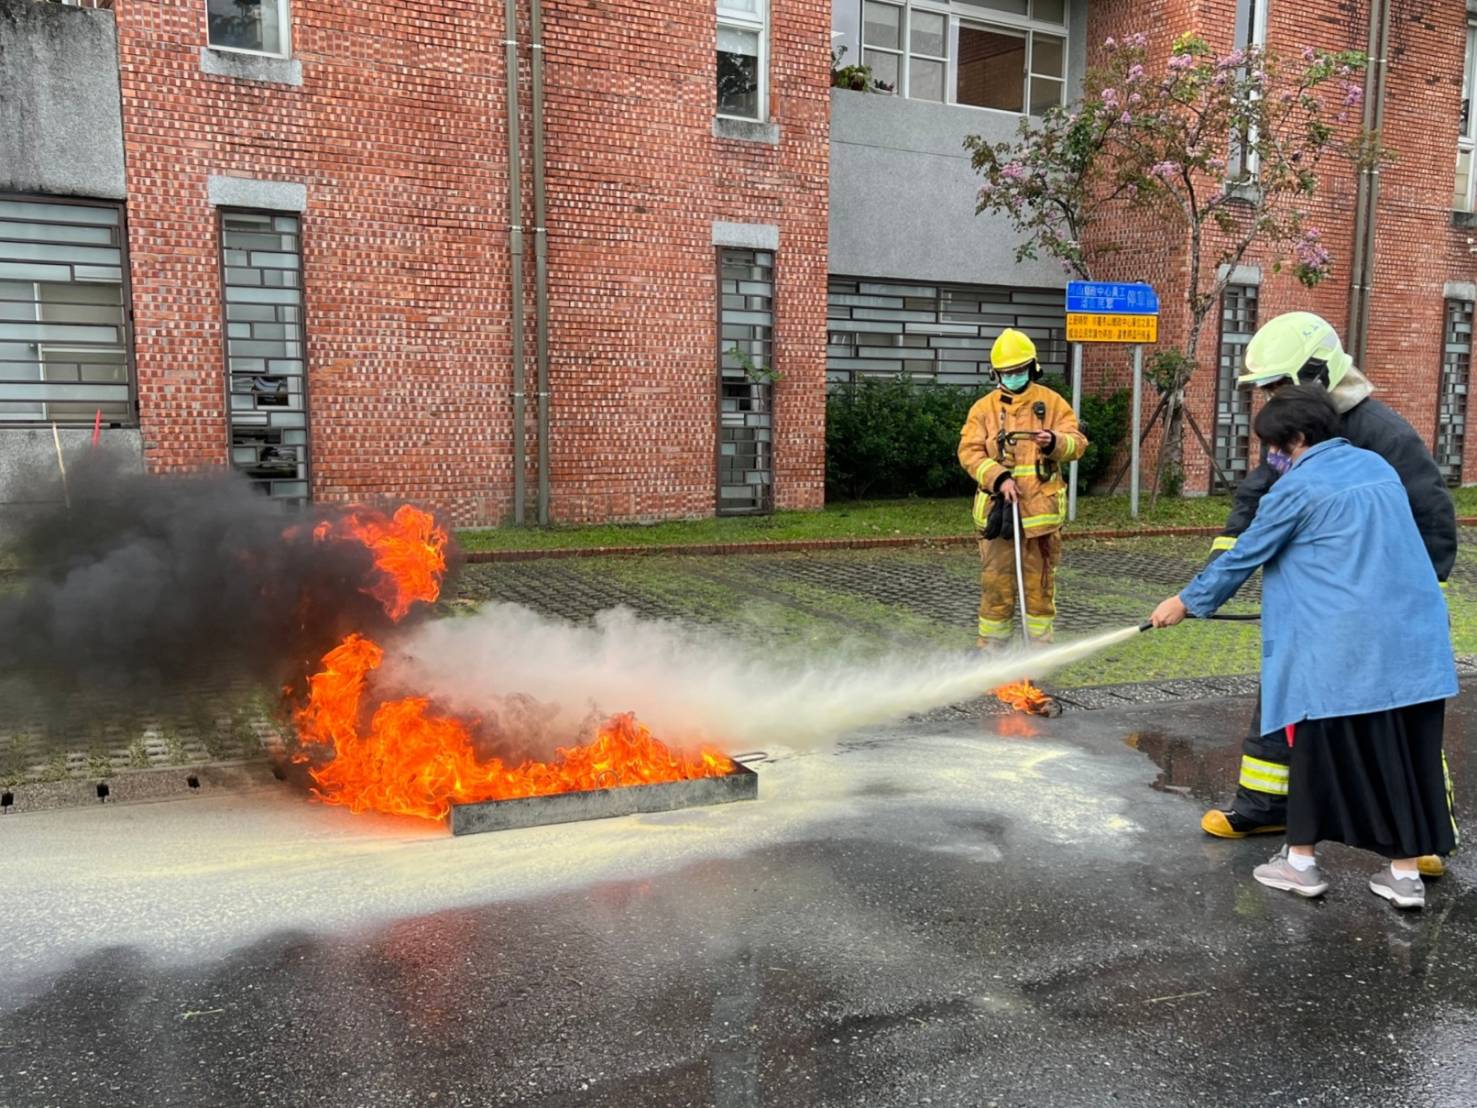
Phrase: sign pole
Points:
(1076, 411)
(1138, 415)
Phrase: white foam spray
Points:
(686, 684)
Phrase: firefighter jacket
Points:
(1372, 426)
(996, 443)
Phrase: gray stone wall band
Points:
(746, 130)
(748, 236)
(243, 192)
(61, 127)
(251, 67)
(1242, 275)
(1461, 290)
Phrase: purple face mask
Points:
(1277, 460)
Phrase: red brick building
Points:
(319, 263)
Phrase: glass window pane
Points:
(926, 33)
(1046, 92)
(738, 72)
(882, 25)
(925, 79)
(1048, 56)
(247, 25)
(1463, 172)
(749, 8)
(1050, 11)
(884, 69)
(1015, 7)
(992, 67)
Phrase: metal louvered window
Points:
(1233, 404)
(745, 373)
(935, 334)
(266, 362)
(64, 343)
(1451, 404)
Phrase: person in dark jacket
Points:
(1303, 348)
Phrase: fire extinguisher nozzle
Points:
(1147, 625)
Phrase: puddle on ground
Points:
(1208, 774)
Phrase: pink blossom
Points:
(1309, 53)
(1353, 95)
(1138, 40)
(1135, 73)
(1013, 172)
(1164, 170)
(1233, 60)
(1125, 119)
(1111, 43)
(1110, 97)
(1134, 99)
(1181, 62)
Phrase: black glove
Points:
(1000, 523)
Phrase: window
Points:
(1451, 404)
(934, 334)
(1465, 197)
(261, 273)
(251, 26)
(1251, 30)
(64, 349)
(743, 59)
(1011, 57)
(1232, 403)
(745, 395)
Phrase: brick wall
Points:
(1417, 249)
(398, 132)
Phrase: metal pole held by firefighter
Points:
(1020, 573)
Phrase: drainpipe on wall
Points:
(1376, 81)
(541, 257)
(515, 250)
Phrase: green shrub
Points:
(889, 437)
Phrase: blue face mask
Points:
(1015, 382)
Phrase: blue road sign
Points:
(1112, 298)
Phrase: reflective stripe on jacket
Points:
(1043, 502)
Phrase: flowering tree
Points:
(1225, 148)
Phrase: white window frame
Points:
(972, 16)
(1243, 164)
(1467, 142)
(747, 21)
(284, 18)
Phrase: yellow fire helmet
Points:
(1297, 346)
(1012, 350)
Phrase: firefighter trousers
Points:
(998, 603)
(1261, 792)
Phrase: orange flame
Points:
(409, 553)
(1024, 697)
(407, 760)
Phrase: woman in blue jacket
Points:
(1356, 653)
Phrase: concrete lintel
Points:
(1461, 290)
(246, 192)
(251, 67)
(750, 236)
(1241, 275)
(746, 130)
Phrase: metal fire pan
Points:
(533, 811)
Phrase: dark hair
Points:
(1298, 411)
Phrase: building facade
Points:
(920, 285)
(283, 235)
(340, 250)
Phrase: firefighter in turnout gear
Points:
(1302, 348)
(1014, 445)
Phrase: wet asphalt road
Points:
(929, 914)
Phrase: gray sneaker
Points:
(1403, 892)
(1278, 873)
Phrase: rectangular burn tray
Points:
(533, 811)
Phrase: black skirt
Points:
(1374, 781)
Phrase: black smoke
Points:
(131, 588)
